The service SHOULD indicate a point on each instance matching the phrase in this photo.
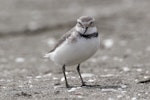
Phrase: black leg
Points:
(78, 69)
(67, 85)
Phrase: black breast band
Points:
(88, 36)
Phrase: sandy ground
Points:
(30, 28)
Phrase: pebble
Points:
(19, 60)
(108, 43)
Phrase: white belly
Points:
(75, 53)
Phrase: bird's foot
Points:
(68, 86)
(83, 84)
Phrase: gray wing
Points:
(62, 39)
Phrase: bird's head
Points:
(86, 25)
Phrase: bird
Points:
(76, 46)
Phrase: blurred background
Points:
(30, 28)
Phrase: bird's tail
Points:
(46, 55)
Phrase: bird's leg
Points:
(67, 85)
(78, 69)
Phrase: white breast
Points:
(75, 53)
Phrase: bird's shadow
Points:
(102, 87)
(144, 81)
(98, 87)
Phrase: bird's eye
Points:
(91, 23)
(80, 24)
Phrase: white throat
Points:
(89, 31)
